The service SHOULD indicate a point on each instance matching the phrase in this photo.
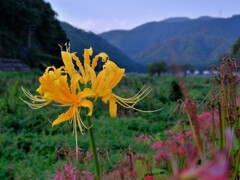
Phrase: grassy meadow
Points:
(29, 144)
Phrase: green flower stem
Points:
(196, 136)
(237, 167)
(233, 92)
(222, 112)
(93, 148)
(213, 131)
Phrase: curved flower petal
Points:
(92, 73)
(102, 55)
(117, 78)
(112, 107)
(80, 66)
(87, 53)
(88, 104)
(74, 83)
(64, 116)
(67, 60)
(86, 93)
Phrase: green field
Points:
(28, 142)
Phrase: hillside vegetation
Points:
(30, 31)
(178, 40)
(81, 40)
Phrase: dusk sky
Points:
(104, 15)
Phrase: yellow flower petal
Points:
(67, 60)
(80, 66)
(74, 83)
(87, 92)
(117, 78)
(112, 107)
(88, 104)
(102, 55)
(64, 116)
(92, 73)
(87, 53)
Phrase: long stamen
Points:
(78, 119)
(136, 96)
(60, 46)
(30, 96)
(80, 123)
(133, 100)
(75, 129)
(129, 103)
(62, 105)
(36, 106)
(127, 106)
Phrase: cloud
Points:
(102, 25)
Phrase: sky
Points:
(103, 15)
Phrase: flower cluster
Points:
(125, 168)
(174, 145)
(72, 173)
(77, 85)
(67, 172)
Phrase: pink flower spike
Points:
(215, 169)
(67, 172)
(229, 138)
(149, 178)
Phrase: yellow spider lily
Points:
(83, 70)
(106, 80)
(54, 87)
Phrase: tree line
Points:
(161, 67)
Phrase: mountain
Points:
(177, 19)
(81, 40)
(198, 41)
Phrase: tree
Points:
(157, 68)
(174, 68)
(175, 92)
(186, 67)
(236, 47)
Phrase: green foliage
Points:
(29, 27)
(80, 40)
(198, 41)
(176, 92)
(28, 142)
(195, 48)
(236, 47)
(157, 68)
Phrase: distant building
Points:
(206, 72)
(196, 72)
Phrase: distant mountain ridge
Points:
(198, 41)
(81, 40)
(177, 19)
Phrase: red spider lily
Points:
(176, 145)
(125, 168)
(218, 168)
(67, 172)
(144, 138)
(213, 169)
(205, 121)
(149, 178)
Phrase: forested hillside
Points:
(30, 31)
(81, 40)
(198, 41)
